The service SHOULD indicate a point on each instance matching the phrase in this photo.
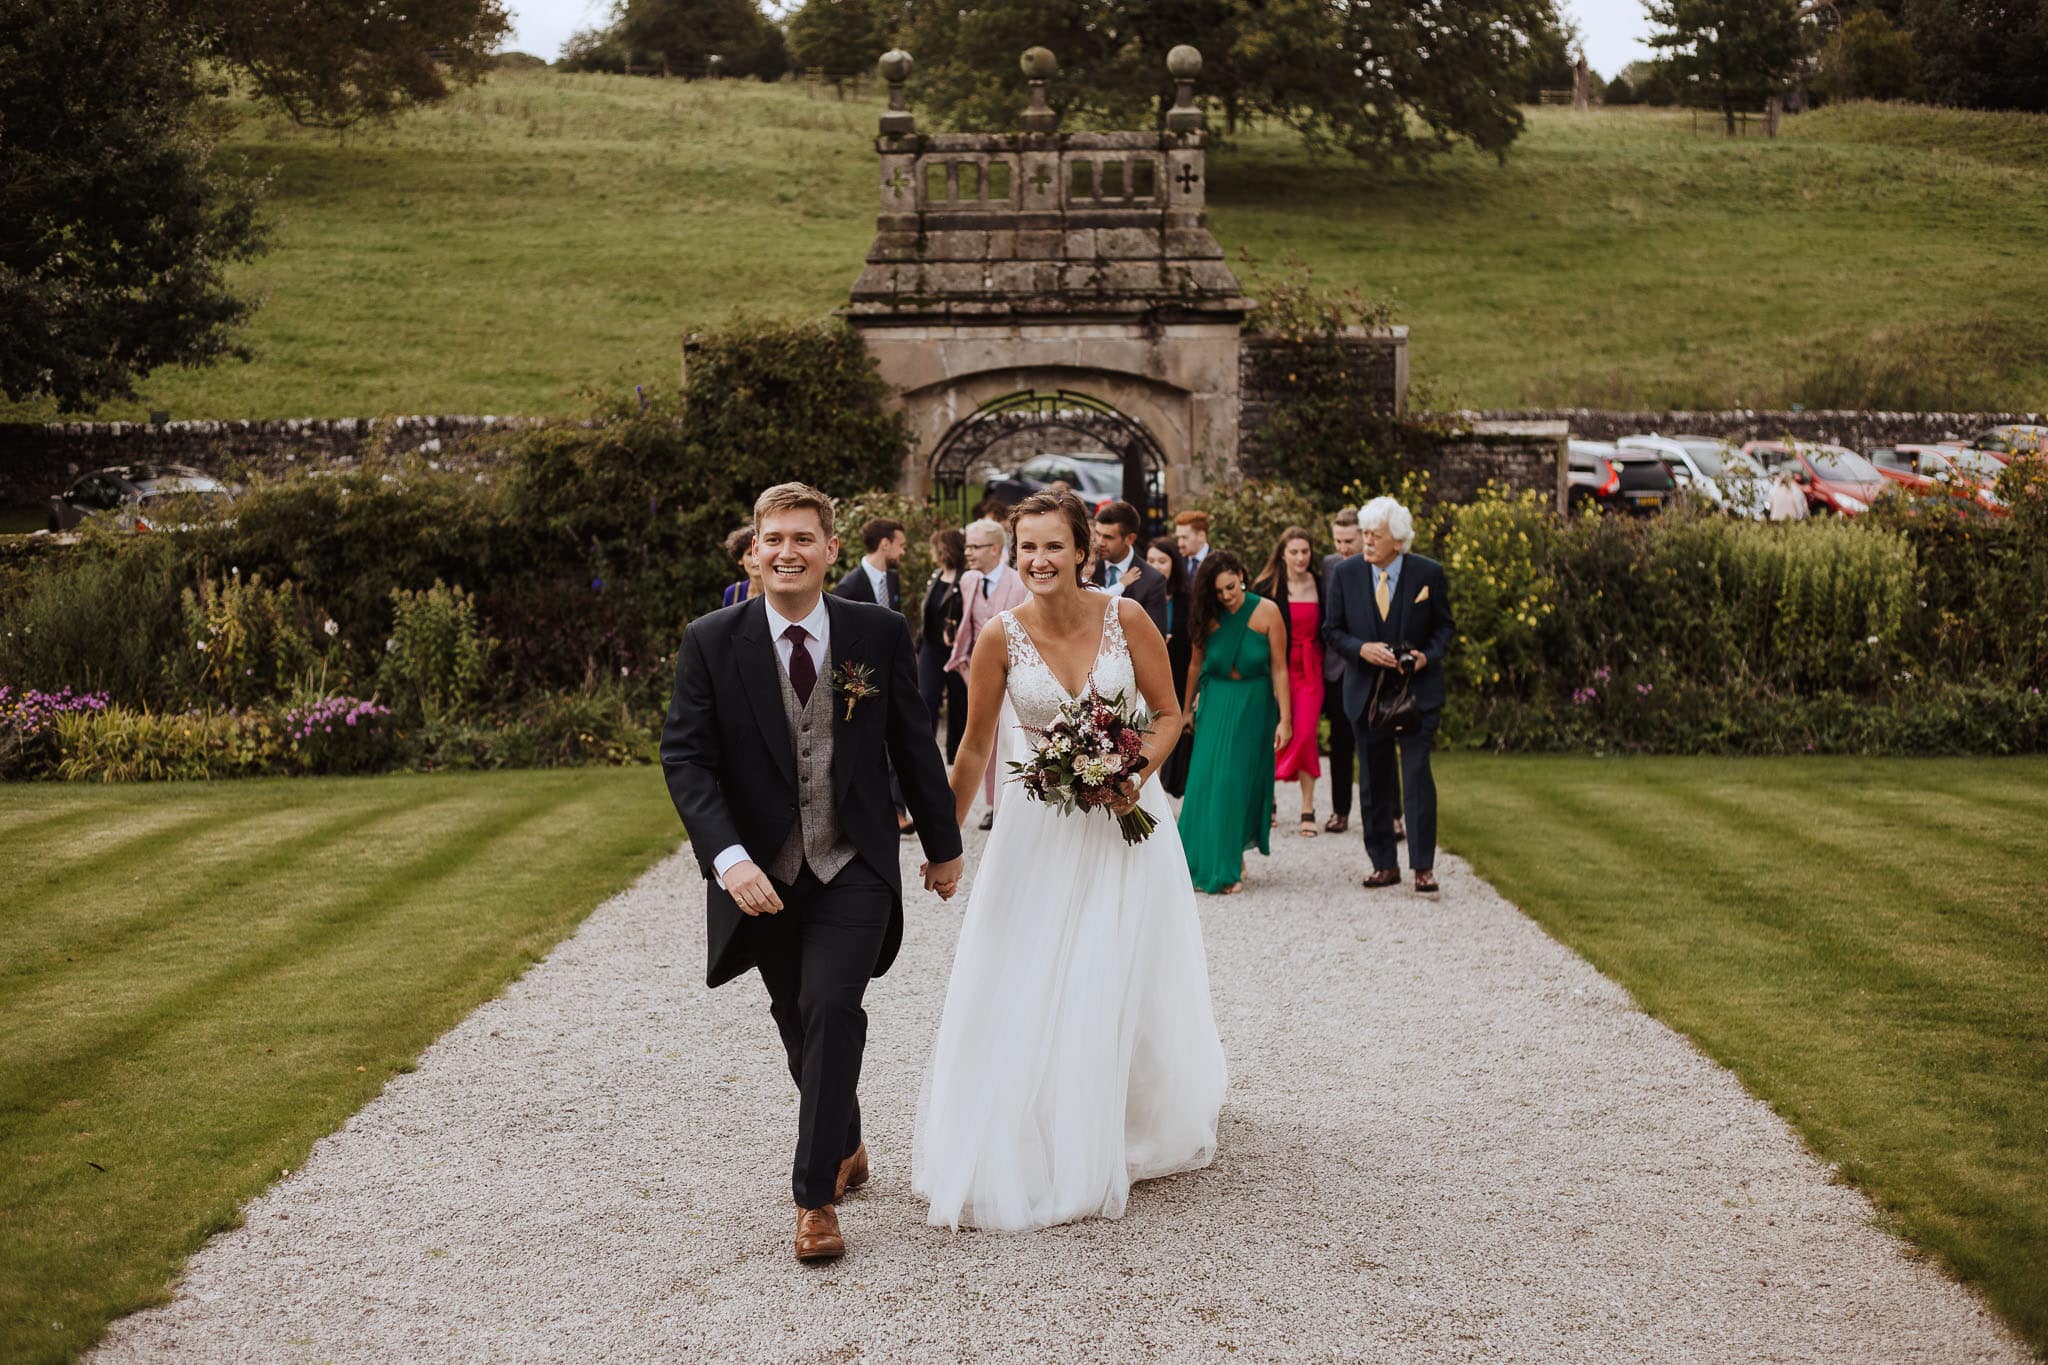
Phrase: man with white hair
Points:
(1387, 613)
(989, 588)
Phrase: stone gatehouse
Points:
(1035, 282)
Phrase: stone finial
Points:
(1039, 66)
(895, 68)
(1184, 63)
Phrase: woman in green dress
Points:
(1237, 706)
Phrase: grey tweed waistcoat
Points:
(815, 840)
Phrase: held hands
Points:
(943, 878)
(751, 890)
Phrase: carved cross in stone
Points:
(1040, 178)
(897, 183)
(1187, 179)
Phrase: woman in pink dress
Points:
(1290, 581)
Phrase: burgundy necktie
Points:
(803, 674)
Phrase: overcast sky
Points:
(1614, 29)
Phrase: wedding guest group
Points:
(1351, 643)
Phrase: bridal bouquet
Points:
(1084, 755)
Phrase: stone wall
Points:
(1524, 456)
(1377, 358)
(39, 460)
(1857, 430)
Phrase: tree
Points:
(1618, 92)
(115, 227)
(1869, 58)
(1736, 53)
(685, 36)
(332, 63)
(1382, 82)
(842, 36)
(1982, 54)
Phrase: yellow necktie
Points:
(1383, 596)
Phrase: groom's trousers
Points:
(815, 956)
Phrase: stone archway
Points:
(1043, 262)
(958, 466)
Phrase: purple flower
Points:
(1582, 695)
(1644, 689)
(1602, 674)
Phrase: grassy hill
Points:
(544, 235)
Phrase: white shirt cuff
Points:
(727, 860)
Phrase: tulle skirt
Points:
(1078, 1048)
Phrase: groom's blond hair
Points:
(794, 497)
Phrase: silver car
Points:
(1710, 468)
(132, 494)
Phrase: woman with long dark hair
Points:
(942, 607)
(1163, 555)
(1241, 709)
(1289, 581)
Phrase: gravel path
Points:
(1446, 1137)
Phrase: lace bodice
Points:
(1035, 691)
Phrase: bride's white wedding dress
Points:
(1078, 1049)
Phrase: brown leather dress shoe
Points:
(1385, 876)
(853, 1172)
(817, 1235)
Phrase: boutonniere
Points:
(856, 683)
(1423, 596)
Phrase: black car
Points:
(1095, 478)
(128, 490)
(1634, 481)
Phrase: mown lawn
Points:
(199, 980)
(1863, 941)
(545, 235)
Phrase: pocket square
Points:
(1423, 596)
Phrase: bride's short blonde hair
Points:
(794, 497)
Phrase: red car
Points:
(1836, 479)
(1955, 470)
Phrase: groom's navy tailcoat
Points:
(731, 770)
(1351, 616)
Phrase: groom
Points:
(785, 709)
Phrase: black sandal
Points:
(1308, 825)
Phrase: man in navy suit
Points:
(875, 579)
(1388, 612)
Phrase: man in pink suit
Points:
(988, 588)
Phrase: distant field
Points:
(545, 235)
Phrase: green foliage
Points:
(842, 37)
(243, 641)
(1248, 517)
(1737, 52)
(921, 520)
(104, 617)
(1499, 555)
(121, 744)
(1869, 58)
(1981, 54)
(1328, 426)
(1385, 84)
(686, 37)
(337, 63)
(119, 223)
(437, 658)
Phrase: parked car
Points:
(1708, 469)
(1958, 471)
(1603, 474)
(134, 495)
(1836, 479)
(2007, 441)
(1096, 478)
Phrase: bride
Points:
(1078, 1049)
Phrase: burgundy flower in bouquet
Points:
(1081, 759)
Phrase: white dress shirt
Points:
(878, 579)
(818, 625)
(993, 578)
(1123, 569)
